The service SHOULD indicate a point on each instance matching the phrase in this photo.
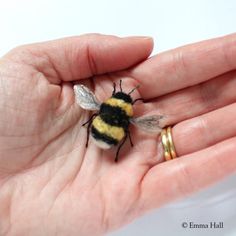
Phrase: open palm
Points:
(50, 183)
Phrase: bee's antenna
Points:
(136, 87)
(114, 88)
(120, 85)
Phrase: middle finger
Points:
(194, 101)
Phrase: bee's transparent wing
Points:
(151, 124)
(85, 98)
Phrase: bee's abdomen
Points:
(103, 138)
(105, 132)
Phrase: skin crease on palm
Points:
(50, 184)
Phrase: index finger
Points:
(81, 57)
(185, 66)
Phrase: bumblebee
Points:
(109, 126)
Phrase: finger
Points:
(203, 131)
(185, 66)
(80, 57)
(180, 177)
(194, 101)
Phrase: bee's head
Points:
(121, 95)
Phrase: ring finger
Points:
(203, 131)
(206, 130)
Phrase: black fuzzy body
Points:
(113, 116)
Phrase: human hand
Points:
(51, 184)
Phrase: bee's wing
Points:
(151, 124)
(85, 98)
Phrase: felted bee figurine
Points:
(109, 126)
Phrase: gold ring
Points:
(168, 145)
(171, 144)
(165, 144)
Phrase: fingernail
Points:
(140, 37)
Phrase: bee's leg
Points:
(90, 119)
(138, 99)
(118, 149)
(114, 88)
(89, 122)
(130, 140)
(88, 129)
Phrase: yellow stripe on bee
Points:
(114, 132)
(127, 107)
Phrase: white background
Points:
(171, 24)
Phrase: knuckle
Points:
(18, 53)
(186, 177)
(91, 60)
(207, 96)
(179, 63)
(204, 127)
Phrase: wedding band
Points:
(171, 144)
(168, 145)
(165, 144)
